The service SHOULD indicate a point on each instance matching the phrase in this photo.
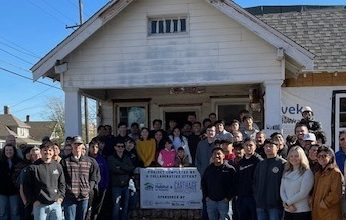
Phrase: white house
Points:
(150, 59)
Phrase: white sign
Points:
(170, 188)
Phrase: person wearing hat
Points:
(308, 140)
(81, 177)
(307, 120)
(44, 185)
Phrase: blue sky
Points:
(30, 28)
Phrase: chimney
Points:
(27, 118)
(6, 109)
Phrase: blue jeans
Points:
(48, 212)
(9, 207)
(217, 209)
(120, 197)
(269, 214)
(75, 210)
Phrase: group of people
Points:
(244, 174)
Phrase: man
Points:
(44, 185)
(237, 136)
(134, 131)
(195, 138)
(81, 178)
(260, 138)
(300, 130)
(221, 133)
(191, 117)
(267, 180)
(249, 131)
(202, 159)
(340, 156)
(157, 125)
(280, 140)
(218, 186)
(121, 169)
(246, 204)
(212, 117)
(308, 140)
(308, 121)
(109, 139)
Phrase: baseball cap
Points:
(77, 140)
(309, 137)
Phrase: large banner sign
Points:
(170, 188)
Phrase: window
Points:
(338, 116)
(167, 25)
(133, 112)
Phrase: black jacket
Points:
(120, 169)
(218, 182)
(245, 175)
(44, 182)
(7, 178)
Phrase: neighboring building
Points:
(40, 129)
(10, 125)
(149, 59)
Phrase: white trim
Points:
(229, 8)
(337, 128)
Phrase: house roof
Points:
(11, 121)
(5, 131)
(40, 129)
(322, 31)
(45, 67)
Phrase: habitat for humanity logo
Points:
(148, 186)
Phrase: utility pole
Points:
(80, 7)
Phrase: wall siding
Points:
(216, 50)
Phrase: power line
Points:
(25, 77)
(20, 47)
(18, 67)
(9, 53)
(27, 99)
(56, 10)
(47, 12)
(23, 52)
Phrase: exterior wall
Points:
(216, 50)
(318, 98)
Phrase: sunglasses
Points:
(322, 156)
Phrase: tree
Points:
(55, 112)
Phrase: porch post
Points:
(272, 106)
(73, 114)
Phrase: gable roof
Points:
(322, 31)
(5, 131)
(111, 9)
(40, 129)
(11, 121)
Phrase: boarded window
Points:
(167, 25)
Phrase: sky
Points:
(29, 29)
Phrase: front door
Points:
(179, 117)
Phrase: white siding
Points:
(216, 50)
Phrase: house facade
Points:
(143, 60)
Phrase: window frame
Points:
(164, 18)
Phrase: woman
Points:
(283, 149)
(146, 148)
(56, 155)
(9, 199)
(180, 141)
(327, 194)
(296, 183)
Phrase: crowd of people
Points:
(244, 174)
